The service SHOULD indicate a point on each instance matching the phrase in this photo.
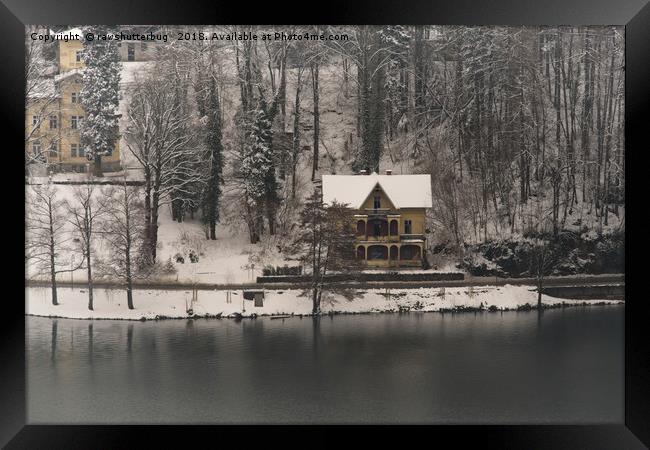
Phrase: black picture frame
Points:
(634, 14)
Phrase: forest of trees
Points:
(506, 119)
(521, 128)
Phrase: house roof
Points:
(76, 31)
(68, 74)
(404, 191)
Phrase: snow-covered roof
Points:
(67, 74)
(404, 191)
(70, 32)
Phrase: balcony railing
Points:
(389, 238)
(377, 211)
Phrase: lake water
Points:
(565, 366)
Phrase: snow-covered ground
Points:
(150, 304)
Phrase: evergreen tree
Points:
(258, 168)
(214, 155)
(100, 97)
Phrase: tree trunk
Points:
(315, 301)
(98, 166)
(147, 212)
(314, 77)
(154, 225)
(129, 294)
(52, 259)
(90, 280)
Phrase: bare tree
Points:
(83, 214)
(324, 243)
(123, 228)
(41, 99)
(47, 240)
(158, 139)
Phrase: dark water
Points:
(515, 367)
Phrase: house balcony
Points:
(377, 212)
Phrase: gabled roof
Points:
(404, 191)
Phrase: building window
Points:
(75, 122)
(393, 228)
(361, 228)
(130, 52)
(75, 97)
(54, 150)
(78, 55)
(361, 252)
(36, 148)
(379, 227)
(143, 46)
(376, 229)
(408, 227)
(377, 201)
(74, 150)
(35, 122)
(54, 122)
(377, 252)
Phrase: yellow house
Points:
(54, 114)
(390, 212)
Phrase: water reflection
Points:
(55, 324)
(414, 368)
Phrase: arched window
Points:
(393, 228)
(377, 252)
(393, 253)
(361, 252)
(409, 252)
(361, 228)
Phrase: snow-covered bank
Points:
(152, 304)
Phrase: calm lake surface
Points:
(566, 366)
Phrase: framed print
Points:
(371, 215)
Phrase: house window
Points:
(130, 52)
(54, 122)
(377, 201)
(408, 227)
(78, 55)
(54, 149)
(35, 122)
(361, 228)
(75, 97)
(74, 150)
(36, 148)
(393, 228)
(75, 122)
(377, 252)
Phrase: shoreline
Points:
(458, 310)
(110, 304)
